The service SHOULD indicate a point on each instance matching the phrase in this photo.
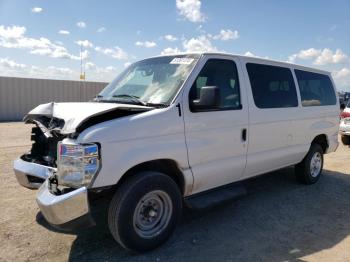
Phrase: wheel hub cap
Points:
(152, 214)
(316, 164)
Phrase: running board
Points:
(214, 197)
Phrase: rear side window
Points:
(272, 86)
(315, 89)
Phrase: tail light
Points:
(345, 114)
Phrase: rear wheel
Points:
(144, 211)
(309, 170)
(345, 140)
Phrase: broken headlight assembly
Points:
(77, 164)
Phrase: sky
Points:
(44, 39)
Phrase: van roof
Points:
(252, 58)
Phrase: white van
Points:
(175, 130)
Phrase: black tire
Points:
(345, 140)
(122, 210)
(304, 172)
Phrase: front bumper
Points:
(31, 175)
(66, 210)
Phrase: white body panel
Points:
(132, 140)
(280, 137)
(216, 152)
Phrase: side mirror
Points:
(209, 99)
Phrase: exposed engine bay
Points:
(45, 137)
(56, 121)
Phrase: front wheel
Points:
(144, 211)
(309, 170)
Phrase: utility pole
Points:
(82, 65)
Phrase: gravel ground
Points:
(279, 220)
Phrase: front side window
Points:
(272, 86)
(153, 81)
(315, 89)
(223, 74)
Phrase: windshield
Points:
(153, 81)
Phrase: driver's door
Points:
(216, 139)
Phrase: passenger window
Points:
(315, 89)
(272, 86)
(223, 74)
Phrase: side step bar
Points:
(216, 196)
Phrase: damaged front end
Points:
(55, 122)
(33, 167)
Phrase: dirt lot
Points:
(279, 220)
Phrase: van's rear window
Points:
(315, 89)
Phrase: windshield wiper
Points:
(132, 98)
(159, 105)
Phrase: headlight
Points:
(77, 164)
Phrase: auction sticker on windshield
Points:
(182, 61)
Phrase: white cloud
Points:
(101, 29)
(104, 74)
(90, 65)
(147, 44)
(64, 32)
(320, 56)
(127, 64)
(248, 53)
(327, 56)
(200, 44)
(11, 68)
(93, 72)
(81, 24)
(170, 38)
(190, 10)
(84, 55)
(170, 51)
(342, 78)
(14, 37)
(226, 35)
(36, 10)
(7, 63)
(344, 72)
(84, 43)
(115, 52)
(12, 32)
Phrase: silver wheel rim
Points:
(316, 164)
(152, 214)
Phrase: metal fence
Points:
(20, 95)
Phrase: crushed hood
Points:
(76, 115)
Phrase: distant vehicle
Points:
(346, 96)
(174, 130)
(342, 103)
(344, 129)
